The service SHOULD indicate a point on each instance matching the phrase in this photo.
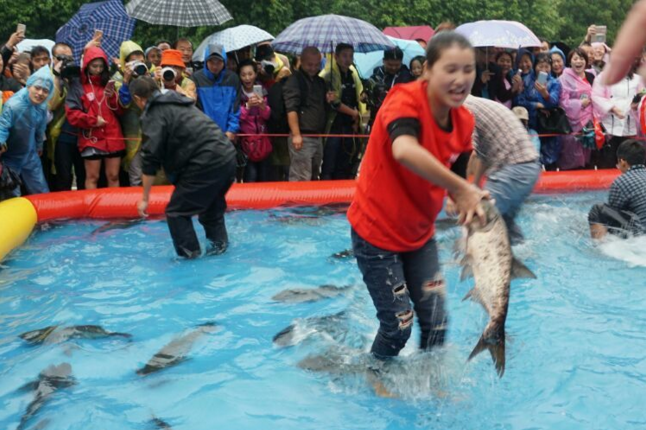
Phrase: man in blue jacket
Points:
(218, 91)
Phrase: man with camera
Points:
(62, 140)
(171, 75)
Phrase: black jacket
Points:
(180, 138)
(312, 112)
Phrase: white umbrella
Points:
(233, 39)
(28, 44)
(501, 34)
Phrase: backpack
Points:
(278, 121)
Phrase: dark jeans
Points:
(338, 153)
(67, 158)
(257, 171)
(394, 280)
(619, 223)
(203, 195)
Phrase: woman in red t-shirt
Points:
(419, 131)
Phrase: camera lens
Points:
(168, 75)
(140, 70)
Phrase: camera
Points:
(139, 68)
(68, 69)
(168, 74)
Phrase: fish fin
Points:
(285, 336)
(496, 347)
(467, 269)
(124, 335)
(519, 270)
(474, 295)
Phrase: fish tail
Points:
(492, 339)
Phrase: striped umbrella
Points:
(326, 31)
(108, 16)
(179, 13)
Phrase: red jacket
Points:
(86, 101)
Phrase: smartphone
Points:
(600, 37)
(257, 89)
(21, 28)
(542, 78)
(98, 34)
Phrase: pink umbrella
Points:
(421, 32)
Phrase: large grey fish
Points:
(302, 295)
(56, 334)
(117, 225)
(49, 381)
(176, 351)
(490, 261)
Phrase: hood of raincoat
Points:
(128, 48)
(92, 54)
(207, 53)
(521, 52)
(42, 78)
(556, 50)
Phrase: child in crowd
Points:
(417, 66)
(419, 131)
(22, 131)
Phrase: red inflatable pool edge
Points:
(122, 202)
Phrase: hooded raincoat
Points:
(86, 101)
(22, 129)
(219, 96)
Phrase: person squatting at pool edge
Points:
(625, 212)
(419, 131)
(197, 158)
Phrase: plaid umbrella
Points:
(233, 39)
(325, 31)
(180, 13)
(108, 16)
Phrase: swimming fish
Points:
(302, 295)
(54, 334)
(490, 261)
(176, 351)
(334, 327)
(49, 381)
(160, 424)
(342, 255)
(117, 225)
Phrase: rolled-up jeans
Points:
(510, 186)
(400, 283)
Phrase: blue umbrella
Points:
(233, 39)
(109, 16)
(326, 31)
(366, 63)
(501, 34)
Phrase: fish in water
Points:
(343, 255)
(54, 334)
(302, 295)
(334, 327)
(117, 225)
(49, 381)
(176, 351)
(160, 424)
(490, 261)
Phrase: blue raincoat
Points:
(22, 128)
(219, 96)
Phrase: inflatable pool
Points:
(18, 216)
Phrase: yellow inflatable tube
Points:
(17, 220)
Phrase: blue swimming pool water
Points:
(576, 356)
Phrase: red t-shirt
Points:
(393, 208)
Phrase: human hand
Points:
(94, 42)
(330, 96)
(615, 110)
(486, 76)
(158, 75)
(100, 122)
(467, 199)
(142, 208)
(230, 136)
(21, 72)
(592, 31)
(450, 208)
(15, 39)
(585, 103)
(297, 142)
(364, 97)
(628, 45)
(3, 147)
(540, 106)
(127, 73)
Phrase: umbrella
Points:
(108, 16)
(366, 62)
(180, 13)
(28, 44)
(501, 34)
(233, 39)
(325, 31)
(423, 32)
